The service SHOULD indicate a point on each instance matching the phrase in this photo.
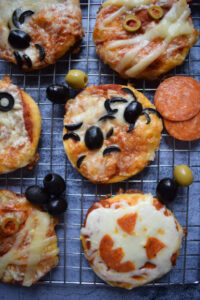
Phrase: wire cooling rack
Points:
(80, 193)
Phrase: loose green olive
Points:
(155, 12)
(9, 225)
(77, 79)
(183, 175)
(131, 23)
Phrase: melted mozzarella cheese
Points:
(12, 127)
(128, 3)
(150, 222)
(175, 23)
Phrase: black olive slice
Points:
(15, 19)
(118, 99)
(41, 51)
(6, 101)
(153, 111)
(71, 135)
(24, 15)
(93, 138)
(147, 117)
(19, 39)
(109, 133)
(73, 126)
(131, 127)
(80, 160)
(129, 91)
(28, 60)
(110, 149)
(18, 59)
(108, 108)
(105, 117)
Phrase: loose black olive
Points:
(166, 190)
(36, 195)
(118, 99)
(73, 126)
(41, 51)
(147, 116)
(108, 108)
(57, 93)
(109, 133)
(71, 135)
(108, 116)
(19, 39)
(93, 138)
(54, 184)
(6, 101)
(15, 19)
(18, 59)
(24, 15)
(153, 111)
(57, 206)
(28, 60)
(110, 149)
(130, 92)
(132, 112)
(80, 160)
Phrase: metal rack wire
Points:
(80, 193)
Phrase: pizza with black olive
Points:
(34, 34)
(144, 38)
(131, 239)
(20, 126)
(111, 132)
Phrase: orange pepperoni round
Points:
(178, 98)
(186, 130)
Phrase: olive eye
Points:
(19, 39)
(131, 23)
(93, 138)
(132, 112)
(6, 102)
(156, 12)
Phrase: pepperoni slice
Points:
(178, 98)
(186, 130)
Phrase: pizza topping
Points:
(73, 126)
(111, 149)
(108, 108)
(71, 135)
(166, 190)
(41, 51)
(77, 79)
(127, 222)
(153, 246)
(107, 117)
(183, 175)
(80, 160)
(9, 226)
(156, 12)
(27, 60)
(15, 18)
(57, 206)
(132, 112)
(93, 138)
(129, 91)
(6, 101)
(24, 15)
(36, 195)
(131, 23)
(118, 99)
(57, 93)
(19, 39)
(18, 59)
(109, 133)
(54, 184)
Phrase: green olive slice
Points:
(77, 79)
(9, 225)
(156, 12)
(183, 175)
(131, 23)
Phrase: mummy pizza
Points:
(20, 125)
(34, 34)
(144, 38)
(28, 247)
(131, 239)
(111, 132)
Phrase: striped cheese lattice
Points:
(175, 23)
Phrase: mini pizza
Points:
(146, 38)
(20, 126)
(111, 132)
(28, 248)
(178, 101)
(34, 34)
(131, 239)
